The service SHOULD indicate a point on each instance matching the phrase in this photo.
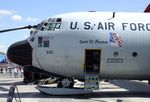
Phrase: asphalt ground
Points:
(112, 91)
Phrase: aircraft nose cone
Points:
(20, 53)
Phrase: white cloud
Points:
(31, 19)
(3, 48)
(20, 18)
(16, 18)
(6, 12)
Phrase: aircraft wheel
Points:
(66, 83)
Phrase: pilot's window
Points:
(49, 20)
(40, 25)
(58, 20)
(52, 24)
(58, 25)
(53, 20)
(44, 26)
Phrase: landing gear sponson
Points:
(65, 86)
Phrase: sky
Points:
(18, 13)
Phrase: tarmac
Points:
(112, 91)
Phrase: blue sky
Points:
(15, 13)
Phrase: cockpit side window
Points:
(51, 24)
(39, 26)
(44, 26)
(58, 19)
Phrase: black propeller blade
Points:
(13, 29)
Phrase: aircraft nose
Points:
(20, 53)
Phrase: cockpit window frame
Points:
(52, 24)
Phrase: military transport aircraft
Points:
(88, 46)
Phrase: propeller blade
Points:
(13, 29)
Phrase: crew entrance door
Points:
(92, 68)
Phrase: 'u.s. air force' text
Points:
(110, 26)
